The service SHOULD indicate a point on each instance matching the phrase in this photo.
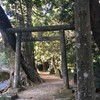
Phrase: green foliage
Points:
(3, 59)
(47, 50)
(11, 1)
(70, 47)
(96, 54)
(96, 64)
(48, 12)
(37, 3)
(64, 10)
(45, 12)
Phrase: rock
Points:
(4, 85)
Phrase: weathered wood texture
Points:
(17, 61)
(84, 51)
(64, 59)
(41, 39)
(40, 28)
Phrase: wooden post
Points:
(17, 61)
(40, 29)
(64, 59)
(39, 34)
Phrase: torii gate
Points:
(61, 38)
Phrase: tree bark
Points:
(29, 50)
(4, 24)
(95, 20)
(86, 90)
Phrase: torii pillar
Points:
(17, 61)
(64, 59)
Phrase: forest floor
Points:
(46, 91)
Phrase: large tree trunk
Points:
(4, 24)
(29, 50)
(86, 90)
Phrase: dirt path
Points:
(44, 91)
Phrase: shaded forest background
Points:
(28, 13)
